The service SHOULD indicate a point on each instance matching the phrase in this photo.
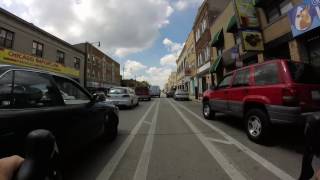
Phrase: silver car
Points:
(123, 96)
(181, 95)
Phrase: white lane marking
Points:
(143, 165)
(147, 122)
(225, 164)
(108, 170)
(264, 162)
(219, 141)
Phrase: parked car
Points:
(155, 91)
(143, 93)
(278, 91)
(181, 95)
(170, 93)
(32, 99)
(123, 97)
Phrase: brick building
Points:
(101, 71)
(23, 44)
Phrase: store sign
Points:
(247, 14)
(305, 17)
(15, 58)
(252, 41)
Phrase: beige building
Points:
(172, 81)
(191, 69)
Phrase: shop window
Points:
(219, 50)
(76, 63)
(37, 49)
(60, 57)
(237, 38)
(6, 38)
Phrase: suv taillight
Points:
(289, 97)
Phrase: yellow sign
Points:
(252, 41)
(15, 58)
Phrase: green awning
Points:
(215, 65)
(232, 25)
(217, 38)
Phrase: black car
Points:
(170, 93)
(32, 99)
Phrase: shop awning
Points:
(215, 65)
(217, 38)
(232, 24)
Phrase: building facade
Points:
(183, 76)
(100, 71)
(191, 69)
(207, 13)
(24, 44)
(172, 81)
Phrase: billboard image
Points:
(304, 17)
(252, 41)
(247, 15)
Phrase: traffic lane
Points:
(177, 152)
(89, 162)
(284, 151)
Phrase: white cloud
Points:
(132, 68)
(181, 5)
(174, 49)
(122, 27)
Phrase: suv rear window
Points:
(266, 74)
(304, 73)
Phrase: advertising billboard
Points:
(252, 41)
(15, 58)
(304, 17)
(247, 14)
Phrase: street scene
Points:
(167, 139)
(159, 89)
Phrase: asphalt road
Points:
(165, 139)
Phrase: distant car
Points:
(143, 93)
(181, 95)
(170, 93)
(155, 91)
(32, 99)
(265, 94)
(123, 97)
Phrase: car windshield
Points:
(304, 73)
(118, 91)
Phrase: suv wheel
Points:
(208, 113)
(257, 125)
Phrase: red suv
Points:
(277, 91)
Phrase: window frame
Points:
(77, 63)
(226, 86)
(76, 85)
(275, 5)
(59, 60)
(5, 39)
(280, 80)
(38, 52)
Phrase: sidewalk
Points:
(192, 98)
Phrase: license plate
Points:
(315, 95)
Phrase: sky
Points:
(144, 36)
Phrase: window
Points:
(71, 93)
(304, 73)
(118, 91)
(277, 9)
(6, 90)
(60, 57)
(225, 82)
(76, 63)
(219, 51)
(266, 74)
(241, 78)
(33, 90)
(6, 38)
(237, 38)
(37, 49)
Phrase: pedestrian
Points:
(9, 166)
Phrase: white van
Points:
(155, 91)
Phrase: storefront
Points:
(203, 78)
(23, 60)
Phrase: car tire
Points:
(207, 111)
(111, 127)
(257, 124)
